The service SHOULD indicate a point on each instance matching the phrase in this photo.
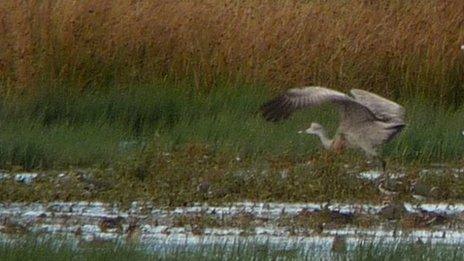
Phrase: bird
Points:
(367, 120)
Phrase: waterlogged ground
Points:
(287, 230)
(306, 204)
(96, 220)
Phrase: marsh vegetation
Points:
(161, 98)
(58, 249)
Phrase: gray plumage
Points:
(367, 121)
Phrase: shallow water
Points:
(96, 221)
(156, 226)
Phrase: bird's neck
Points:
(326, 142)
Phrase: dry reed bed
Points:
(393, 47)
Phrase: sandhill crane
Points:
(367, 120)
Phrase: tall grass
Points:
(398, 48)
(61, 128)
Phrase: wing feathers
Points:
(383, 108)
(284, 105)
(277, 109)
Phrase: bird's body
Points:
(367, 120)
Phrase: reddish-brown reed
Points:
(392, 47)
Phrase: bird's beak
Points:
(307, 131)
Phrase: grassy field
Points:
(61, 129)
(33, 249)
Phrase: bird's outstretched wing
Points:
(383, 109)
(284, 105)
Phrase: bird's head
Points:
(314, 129)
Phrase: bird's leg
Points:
(383, 163)
(378, 161)
(367, 163)
(371, 161)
